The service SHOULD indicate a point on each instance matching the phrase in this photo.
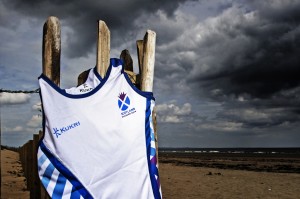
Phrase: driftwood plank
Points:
(146, 57)
(51, 62)
(103, 48)
(148, 61)
(128, 67)
(128, 63)
(35, 192)
(140, 51)
(52, 49)
(82, 77)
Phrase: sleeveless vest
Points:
(98, 139)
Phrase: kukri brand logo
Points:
(60, 131)
(85, 88)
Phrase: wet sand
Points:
(185, 176)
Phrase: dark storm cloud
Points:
(226, 72)
(247, 58)
(81, 17)
(258, 52)
(278, 11)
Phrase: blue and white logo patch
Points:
(124, 103)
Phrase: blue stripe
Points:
(64, 171)
(97, 74)
(59, 187)
(47, 175)
(153, 152)
(75, 194)
(152, 170)
(152, 136)
(41, 160)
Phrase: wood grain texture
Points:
(52, 49)
(126, 57)
(140, 53)
(148, 61)
(103, 48)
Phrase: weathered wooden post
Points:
(140, 52)
(103, 53)
(35, 192)
(128, 63)
(51, 59)
(146, 60)
(128, 67)
(25, 162)
(103, 48)
(29, 167)
(147, 73)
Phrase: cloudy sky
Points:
(227, 72)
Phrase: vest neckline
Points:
(114, 62)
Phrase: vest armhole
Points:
(148, 95)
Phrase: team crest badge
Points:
(123, 101)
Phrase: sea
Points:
(288, 150)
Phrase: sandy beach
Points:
(182, 177)
(13, 182)
(195, 182)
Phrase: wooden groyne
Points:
(28, 158)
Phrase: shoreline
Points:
(277, 163)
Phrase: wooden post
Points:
(103, 53)
(103, 48)
(29, 166)
(51, 61)
(51, 49)
(128, 63)
(146, 59)
(128, 67)
(82, 77)
(140, 53)
(25, 163)
(35, 192)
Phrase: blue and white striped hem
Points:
(56, 184)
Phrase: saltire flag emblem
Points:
(123, 101)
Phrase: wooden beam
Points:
(146, 57)
(128, 63)
(140, 51)
(35, 192)
(52, 49)
(82, 77)
(51, 62)
(103, 48)
(128, 67)
(148, 61)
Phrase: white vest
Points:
(99, 139)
